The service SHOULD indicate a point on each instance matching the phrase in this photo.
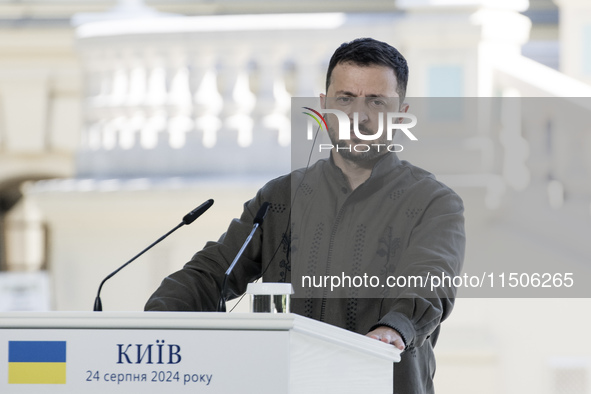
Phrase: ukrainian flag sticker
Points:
(37, 362)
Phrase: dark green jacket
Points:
(400, 227)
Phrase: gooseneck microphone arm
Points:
(258, 220)
(187, 219)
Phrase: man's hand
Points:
(387, 335)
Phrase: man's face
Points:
(371, 92)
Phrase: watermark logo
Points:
(393, 120)
(317, 117)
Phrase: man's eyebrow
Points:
(347, 93)
(344, 93)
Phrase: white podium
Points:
(177, 352)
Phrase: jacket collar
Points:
(382, 168)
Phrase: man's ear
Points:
(404, 107)
(322, 101)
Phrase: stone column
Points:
(575, 38)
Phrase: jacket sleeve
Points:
(435, 247)
(197, 286)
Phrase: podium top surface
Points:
(198, 321)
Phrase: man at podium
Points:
(358, 234)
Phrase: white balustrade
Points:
(178, 86)
(548, 143)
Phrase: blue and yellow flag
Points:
(36, 362)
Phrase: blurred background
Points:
(119, 117)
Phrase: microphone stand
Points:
(187, 219)
(258, 220)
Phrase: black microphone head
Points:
(258, 219)
(195, 213)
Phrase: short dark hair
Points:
(370, 52)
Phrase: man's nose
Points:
(359, 107)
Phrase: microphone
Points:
(187, 219)
(258, 220)
(195, 213)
